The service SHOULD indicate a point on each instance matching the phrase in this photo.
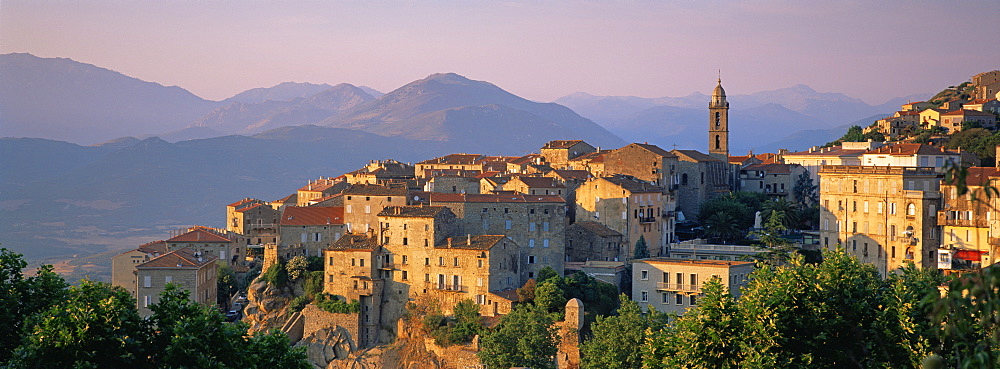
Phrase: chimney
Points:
(468, 240)
(449, 242)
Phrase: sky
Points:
(540, 50)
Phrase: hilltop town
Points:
(376, 243)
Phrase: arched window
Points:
(911, 209)
(718, 119)
(718, 142)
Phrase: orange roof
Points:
(968, 112)
(312, 215)
(199, 234)
(497, 198)
(908, 149)
(241, 202)
(527, 159)
(538, 182)
(572, 174)
(250, 207)
(184, 258)
(980, 176)
(463, 159)
(487, 174)
(908, 112)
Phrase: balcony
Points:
(678, 287)
(647, 219)
(947, 218)
(390, 266)
(450, 287)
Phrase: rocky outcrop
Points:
(328, 344)
(267, 306)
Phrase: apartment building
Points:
(189, 269)
(630, 206)
(675, 285)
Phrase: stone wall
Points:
(316, 319)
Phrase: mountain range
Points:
(161, 158)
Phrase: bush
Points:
(298, 303)
(297, 267)
(333, 304)
(314, 284)
(276, 275)
(314, 263)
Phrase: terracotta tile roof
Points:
(768, 157)
(184, 258)
(320, 185)
(771, 168)
(412, 211)
(494, 198)
(524, 160)
(656, 150)
(561, 144)
(312, 215)
(908, 112)
(661, 260)
(538, 182)
(980, 176)
(242, 202)
(571, 174)
(911, 103)
(325, 198)
(288, 199)
(488, 174)
(159, 247)
(908, 149)
(481, 242)
(632, 184)
(463, 159)
(693, 155)
(829, 151)
(738, 159)
(597, 228)
(968, 112)
(375, 190)
(350, 242)
(199, 234)
(979, 101)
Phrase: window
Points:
(911, 209)
(665, 298)
(545, 226)
(694, 300)
(455, 262)
(644, 275)
(368, 209)
(329, 260)
(146, 300)
(362, 261)
(645, 296)
(440, 260)
(679, 299)
(507, 224)
(405, 276)
(147, 281)
(353, 261)
(349, 207)
(866, 207)
(330, 278)
(405, 241)
(168, 279)
(666, 277)
(531, 242)
(892, 208)
(531, 259)
(404, 259)
(545, 242)
(531, 226)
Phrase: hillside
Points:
(62, 99)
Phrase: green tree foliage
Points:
(226, 284)
(333, 304)
(856, 134)
(786, 211)
(545, 273)
(722, 226)
(97, 326)
(970, 319)
(526, 293)
(314, 263)
(908, 306)
(314, 284)
(614, 340)
(641, 250)
(525, 337)
(189, 334)
(21, 296)
(550, 295)
(738, 209)
(805, 191)
(467, 322)
(276, 275)
(980, 141)
(706, 337)
(779, 250)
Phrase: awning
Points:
(969, 255)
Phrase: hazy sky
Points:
(541, 50)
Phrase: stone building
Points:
(885, 216)
(228, 247)
(453, 184)
(559, 152)
(312, 228)
(255, 219)
(531, 185)
(775, 180)
(363, 202)
(987, 84)
(592, 162)
(381, 172)
(589, 240)
(643, 161)
(536, 223)
(700, 177)
(470, 164)
(952, 121)
(910, 155)
(188, 269)
(351, 271)
(123, 265)
(321, 187)
(966, 221)
(630, 206)
(849, 153)
(675, 285)
(984, 105)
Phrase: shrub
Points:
(315, 263)
(297, 267)
(298, 303)
(333, 304)
(314, 284)
(276, 275)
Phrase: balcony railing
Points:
(678, 287)
(450, 287)
(647, 219)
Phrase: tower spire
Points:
(718, 123)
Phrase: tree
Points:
(189, 334)
(908, 306)
(779, 250)
(226, 284)
(297, 267)
(97, 327)
(641, 250)
(706, 337)
(722, 226)
(549, 295)
(545, 273)
(525, 337)
(22, 296)
(805, 191)
(526, 293)
(613, 340)
(789, 212)
(467, 322)
(969, 317)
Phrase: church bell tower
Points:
(718, 124)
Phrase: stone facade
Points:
(775, 180)
(643, 161)
(700, 178)
(589, 240)
(966, 222)
(319, 188)
(362, 203)
(629, 206)
(987, 84)
(311, 228)
(536, 223)
(228, 247)
(558, 153)
(884, 216)
(450, 164)
(123, 265)
(674, 285)
(453, 184)
(189, 269)
(718, 124)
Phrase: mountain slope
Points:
(251, 118)
(285, 91)
(63, 99)
(406, 112)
